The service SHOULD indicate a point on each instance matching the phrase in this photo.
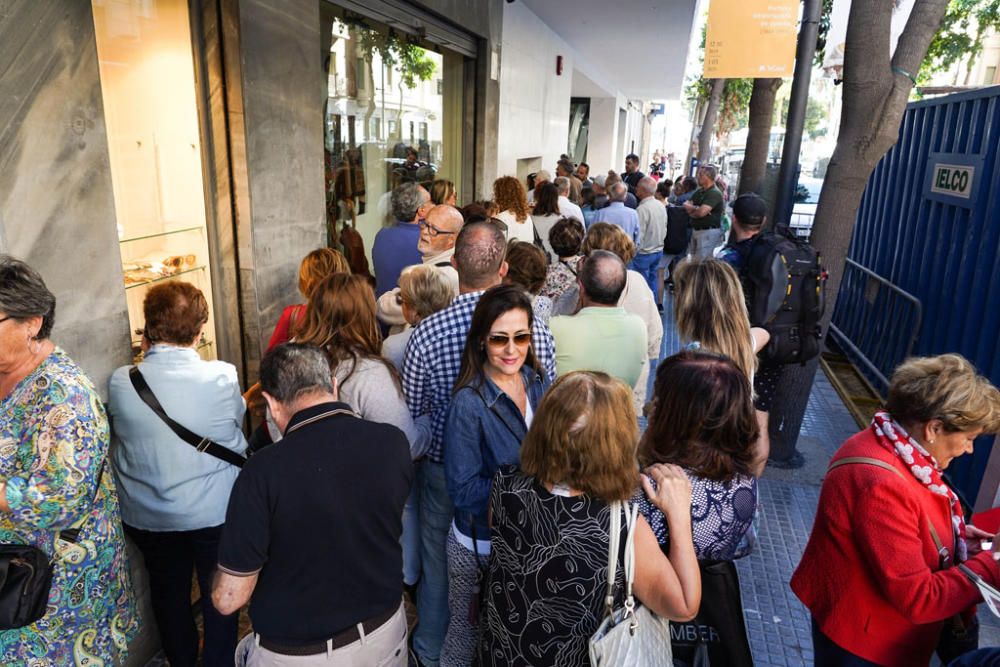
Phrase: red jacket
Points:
(870, 574)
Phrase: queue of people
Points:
(472, 460)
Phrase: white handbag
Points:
(629, 636)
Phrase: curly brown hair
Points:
(584, 435)
(605, 236)
(175, 312)
(509, 195)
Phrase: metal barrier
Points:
(876, 323)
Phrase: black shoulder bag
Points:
(26, 577)
(201, 444)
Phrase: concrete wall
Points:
(278, 169)
(534, 101)
(56, 202)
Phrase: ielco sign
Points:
(951, 178)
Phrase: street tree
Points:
(761, 115)
(876, 87)
(714, 101)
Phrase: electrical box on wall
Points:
(558, 65)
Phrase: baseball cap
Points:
(750, 209)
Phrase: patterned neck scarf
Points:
(924, 467)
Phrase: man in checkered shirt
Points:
(430, 368)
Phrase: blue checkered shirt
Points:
(433, 359)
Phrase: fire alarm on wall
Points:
(558, 65)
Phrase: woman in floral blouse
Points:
(566, 237)
(53, 442)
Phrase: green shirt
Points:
(711, 197)
(600, 339)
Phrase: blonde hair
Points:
(605, 236)
(441, 191)
(319, 264)
(585, 435)
(944, 387)
(710, 308)
(509, 195)
(425, 289)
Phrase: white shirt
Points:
(570, 210)
(522, 231)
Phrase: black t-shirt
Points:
(319, 515)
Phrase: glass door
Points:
(393, 113)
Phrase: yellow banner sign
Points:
(750, 38)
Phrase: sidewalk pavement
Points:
(777, 623)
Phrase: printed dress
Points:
(547, 575)
(53, 438)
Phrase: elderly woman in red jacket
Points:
(878, 573)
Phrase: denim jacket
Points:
(483, 431)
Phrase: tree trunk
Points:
(876, 90)
(761, 117)
(708, 125)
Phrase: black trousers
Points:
(171, 558)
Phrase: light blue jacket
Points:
(164, 483)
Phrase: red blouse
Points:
(282, 330)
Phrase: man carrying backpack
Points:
(783, 283)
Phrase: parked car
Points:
(804, 210)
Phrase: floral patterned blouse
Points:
(54, 437)
(560, 277)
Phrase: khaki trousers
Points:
(385, 647)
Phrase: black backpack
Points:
(785, 287)
(678, 222)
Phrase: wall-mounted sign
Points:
(952, 178)
(750, 38)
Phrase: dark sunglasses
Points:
(500, 341)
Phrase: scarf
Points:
(893, 437)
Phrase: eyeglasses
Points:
(500, 341)
(432, 230)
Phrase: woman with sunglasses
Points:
(497, 392)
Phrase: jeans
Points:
(170, 558)
(410, 539)
(704, 242)
(645, 265)
(436, 513)
(829, 654)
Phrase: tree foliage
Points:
(735, 102)
(961, 35)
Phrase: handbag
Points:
(718, 634)
(26, 577)
(201, 444)
(629, 636)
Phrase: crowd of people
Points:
(460, 436)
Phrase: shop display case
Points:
(148, 87)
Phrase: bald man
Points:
(602, 336)
(652, 230)
(436, 244)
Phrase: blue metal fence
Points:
(928, 224)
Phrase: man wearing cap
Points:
(749, 217)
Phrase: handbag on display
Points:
(629, 636)
(718, 634)
(26, 576)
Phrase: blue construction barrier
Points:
(928, 226)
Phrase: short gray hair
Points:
(479, 254)
(618, 191)
(407, 200)
(711, 171)
(646, 186)
(292, 370)
(23, 294)
(562, 183)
